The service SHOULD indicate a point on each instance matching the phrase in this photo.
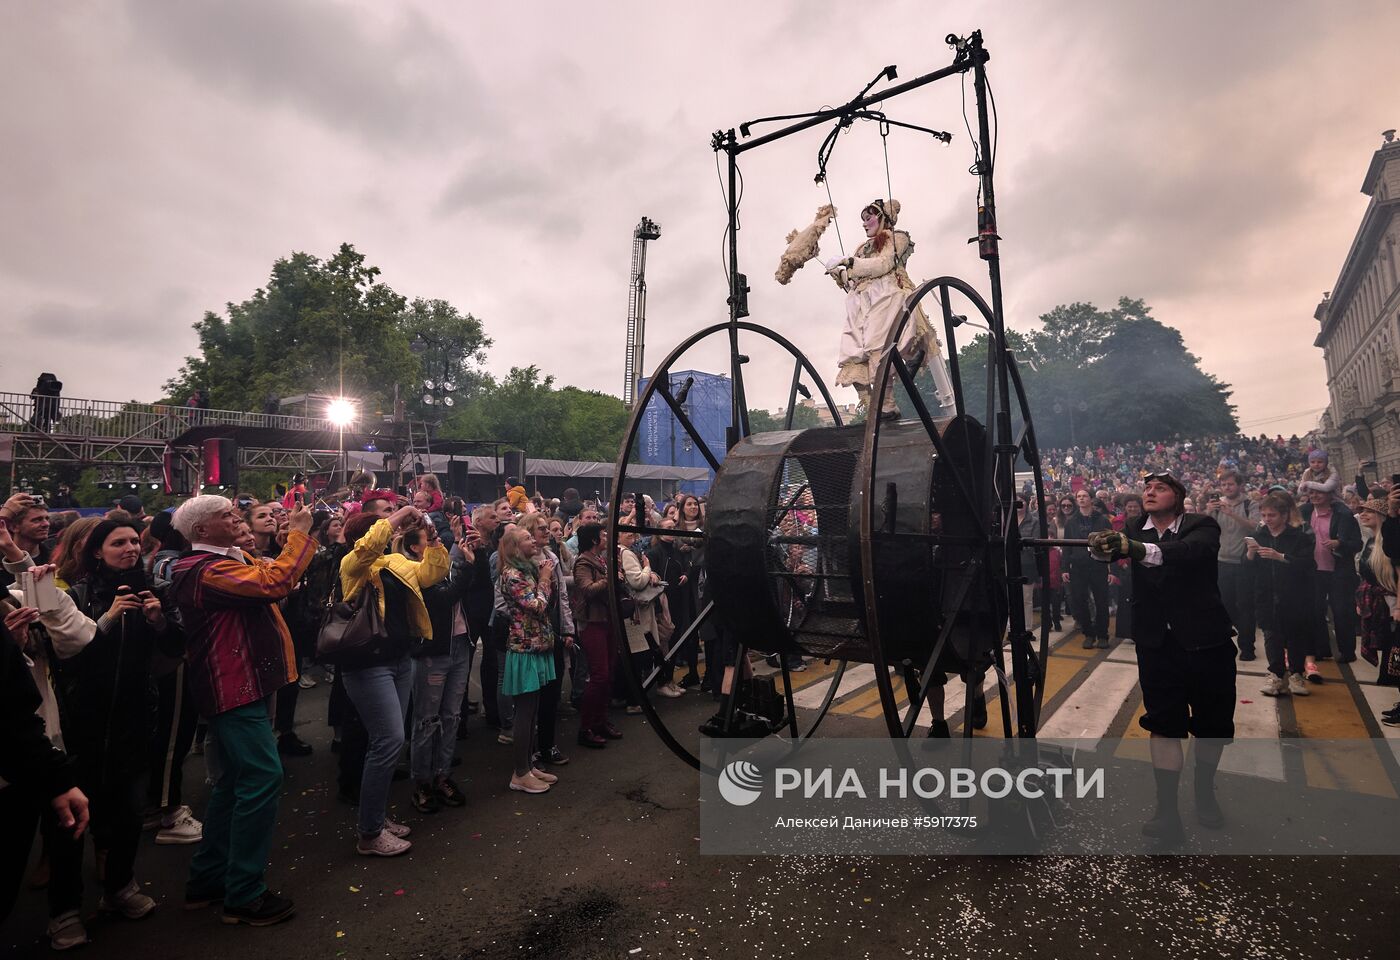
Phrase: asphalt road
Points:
(607, 865)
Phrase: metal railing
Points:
(78, 419)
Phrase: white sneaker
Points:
(66, 931)
(384, 845)
(670, 690)
(1275, 686)
(182, 827)
(130, 903)
(528, 784)
(306, 682)
(399, 830)
(1296, 685)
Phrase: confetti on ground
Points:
(339, 934)
(398, 892)
(354, 889)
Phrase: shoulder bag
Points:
(348, 627)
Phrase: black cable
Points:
(724, 238)
(976, 168)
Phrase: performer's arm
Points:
(876, 266)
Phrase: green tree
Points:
(524, 408)
(451, 350)
(803, 418)
(1151, 387)
(1100, 376)
(318, 326)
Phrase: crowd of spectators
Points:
(1305, 555)
(131, 641)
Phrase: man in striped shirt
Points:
(240, 653)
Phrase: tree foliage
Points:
(1094, 376)
(327, 326)
(803, 416)
(525, 408)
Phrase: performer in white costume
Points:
(877, 286)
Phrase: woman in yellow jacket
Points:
(378, 678)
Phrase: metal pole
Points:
(960, 65)
(1005, 442)
(738, 419)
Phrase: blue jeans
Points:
(380, 696)
(438, 685)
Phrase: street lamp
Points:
(342, 413)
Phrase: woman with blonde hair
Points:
(527, 586)
(561, 621)
(1376, 604)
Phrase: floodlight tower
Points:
(646, 230)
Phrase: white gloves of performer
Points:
(839, 269)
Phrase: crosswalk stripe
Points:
(1381, 699)
(1089, 710)
(1090, 695)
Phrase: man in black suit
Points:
(1185, 647)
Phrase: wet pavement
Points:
(607, 865)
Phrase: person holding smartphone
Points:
(107, 701)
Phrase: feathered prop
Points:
(802, 244)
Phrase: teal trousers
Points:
(242, 814)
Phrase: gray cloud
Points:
(387, 74)
(1203, 156)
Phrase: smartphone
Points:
(1251, 541)
(39, 594)
(299, 498)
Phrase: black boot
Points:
(1165, 825)
(1208, 812)
(714, 727)
(979, 710)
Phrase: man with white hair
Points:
(240, 653)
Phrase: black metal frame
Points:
(997, 541)
(660, 384)
(1001, 541)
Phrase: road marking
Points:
(856, 676)
(1088, 712)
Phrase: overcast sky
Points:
(159, 156)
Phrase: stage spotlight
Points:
(341, 412)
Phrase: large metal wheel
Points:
(983, 579)
(660, 387)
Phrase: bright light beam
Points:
(341, 412)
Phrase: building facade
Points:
(1359, 331)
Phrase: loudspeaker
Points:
(221, 463)
(457, 477)
(513, 462)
